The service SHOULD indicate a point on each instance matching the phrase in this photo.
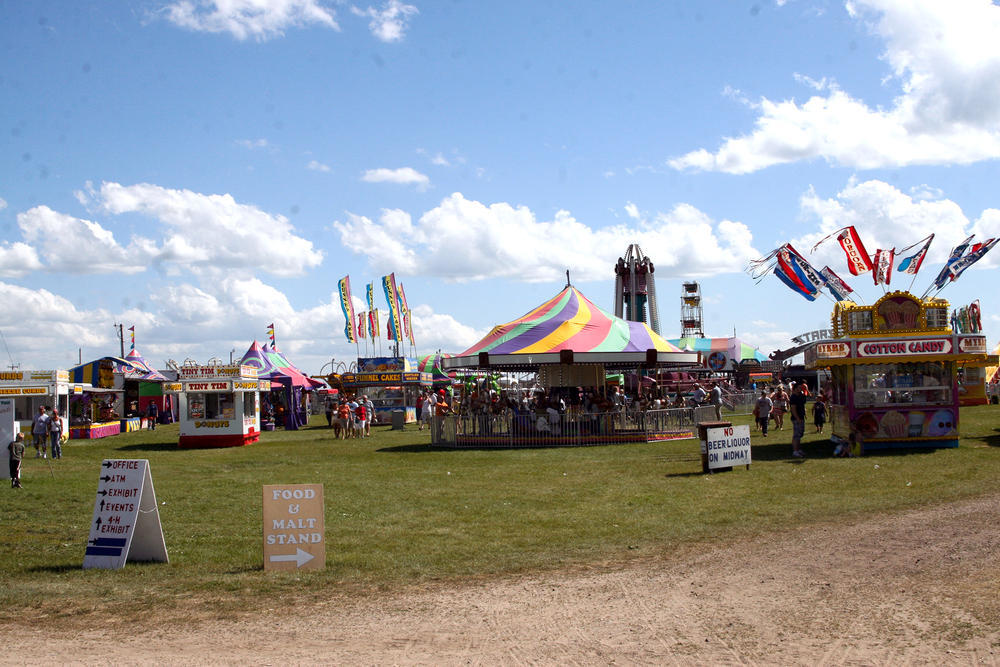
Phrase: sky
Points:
(199, 170)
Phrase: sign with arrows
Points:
(294, 527)
(126, 524)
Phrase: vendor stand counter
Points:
(219, 405)
(894, 369)
(389, 391)
(21, 392)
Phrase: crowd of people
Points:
(775, 403)
(350, 416)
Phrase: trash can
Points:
(398, 420)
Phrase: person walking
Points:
(779, 399)
(16, 451)
(715, 398)
(55, 434)
(797, 405)
(764, 407)
(40, 431)
(152, 414)
(819, 412)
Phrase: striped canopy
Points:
(733, 347)
(431, 363)
(140, 369)
(569, 321)
(133, 367)
(272, 365)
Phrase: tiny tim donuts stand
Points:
(894, 368)
(219, 406)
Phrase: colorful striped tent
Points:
(140, 369)
(719, 353)
(100, 372)
(570, 321)
(287, 382)
(433, 364)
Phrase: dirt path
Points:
(922, 587)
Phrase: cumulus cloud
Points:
(3, 203)
(943, 59)
(206, 232)
(887, 218)
(461, 239)
(75, 245)
(252, 143)
(316, 165)
(401, 176)
(389, 23)
(439, 331)
(243, 19)
(18, 259)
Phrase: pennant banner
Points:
(883, 266)
(911, 264)
(393, 323)
(838, 288)
(373, 328)
(407, 319)
(858, 261)
(362, 321)
(270, 333)
(370, 294)
(974, 255)
(348, 307)
(945, 274)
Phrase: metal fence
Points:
(572, 429)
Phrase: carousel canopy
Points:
(272, 365)
(570, 321)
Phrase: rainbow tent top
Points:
(272, 365)
(571, 322)
(719, 353)
(132, 367)
(434, 364)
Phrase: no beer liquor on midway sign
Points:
(294, 527)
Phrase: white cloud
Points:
(887, 218)
(18, 259)
(206, 232)
(462, 239)
(389, 23)
(439, 331)
(74, 245)
(632, 210)
(252, 144)
(259, 19)
(3, 203)
(944, 59)
(316, 165)
(401, 176)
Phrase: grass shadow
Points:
(55, 569)
(149, 447)
(422, 449)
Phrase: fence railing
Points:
(509, 429)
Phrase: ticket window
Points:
(249, 405)
(211, 405)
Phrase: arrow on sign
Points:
(300, 557)
(106, 464)
(106, 478)
(102, 505)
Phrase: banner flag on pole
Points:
(942, 277)
(348, 307)
(373, 328)
(838, 288)
(407, 317)
(883, 266)
(789, 272)
(270, 333)
(974, 255)
(858, 261)
(393, 324)
(132, 331)
(911, 264)
(370, 294)
(362, 322)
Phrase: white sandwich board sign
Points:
(126, 523)
(728, 446)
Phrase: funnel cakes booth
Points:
(219, 406)
(894, 368)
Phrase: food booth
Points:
(22, 392)
(219, 406)
(894, 371)
(388, 391)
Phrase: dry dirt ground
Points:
(920, 587)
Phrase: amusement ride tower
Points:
(635, 288)
(691, 320)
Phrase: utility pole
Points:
(119, 329)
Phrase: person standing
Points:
(40, 431)
(764, 407)
(779, 399)
(797, 405)
(152, 414)
(819, 412)
(361, 415)
(370, 411)
(715, 397)
(16, 451)
(55, 434)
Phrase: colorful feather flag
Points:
(944, 275)
(370, 294)
(270, 333)
(407, 317)
(911, 264)
(838, 288)
(393, 325)
(348, 307)
(362, 321)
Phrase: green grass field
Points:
(399, 512)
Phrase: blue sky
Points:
(201, 169)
